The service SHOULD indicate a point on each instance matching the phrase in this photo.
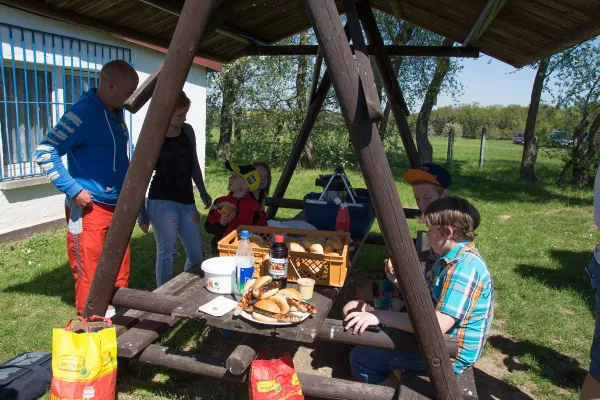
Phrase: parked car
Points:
(519, 138)
(560, 138)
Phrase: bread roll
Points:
(335, 242)
(268, 305)
(257, 240)
(307, 242)
(248, 286)
(328, 248)
(297, 247)
(316, 248)
(291, 293)
(263, 280)
(281, 303)
(226, 209)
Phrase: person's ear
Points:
(445, 193)
(449, 232)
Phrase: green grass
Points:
(536, 238)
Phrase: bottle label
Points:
(277, 267)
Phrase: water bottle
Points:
(244, 264)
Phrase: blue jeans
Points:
(170, 219)
(373, 365)
(594, 271)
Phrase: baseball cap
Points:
(429, 172)
(248, 172)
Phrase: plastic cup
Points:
(306, 287)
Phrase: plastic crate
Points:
(326, 269)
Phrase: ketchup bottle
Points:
(342, 221)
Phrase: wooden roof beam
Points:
(415, 51)
(584, 32)
(70, 17)
(225, 29)
(491, 9)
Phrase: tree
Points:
(578, 83)
(230, 82)
(309, 149)
(423, 146)
(530, 147)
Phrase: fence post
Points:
(482, 147)
(450, 152)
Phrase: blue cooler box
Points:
(322, 214)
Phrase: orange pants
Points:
(85, 239)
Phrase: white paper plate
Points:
(249, 317)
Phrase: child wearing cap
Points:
(462, 292)
(429, 183)
(237, 207)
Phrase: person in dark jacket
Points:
(171, 205)
(238, 207)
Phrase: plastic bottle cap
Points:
(278, 238)
(245, 234)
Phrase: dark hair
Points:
(264, 192)
(182, 101)
(454, 212)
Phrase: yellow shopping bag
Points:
(84, 365)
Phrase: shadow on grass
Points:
(59, 281)
(570, 275)
(563, 371)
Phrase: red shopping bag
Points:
(274, 380)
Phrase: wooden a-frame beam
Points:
(70, 17)
(490, 11)
(392, 50)
(178, 62)
(380, 182)
(172, 7)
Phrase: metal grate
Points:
(41, 75)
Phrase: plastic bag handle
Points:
(81, 319)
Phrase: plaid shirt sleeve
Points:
(460, 290)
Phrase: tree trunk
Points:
(576, 154)
(227, 113)
(310, 152)
(401, 39)
(592, 146)
(237, 124)
(230, 88)
(530, 147)
(423, 146)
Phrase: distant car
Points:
(519, 138)
(560, 138)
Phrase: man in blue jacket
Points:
(94, 136)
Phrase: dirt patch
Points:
(504, 218)
(491, 377)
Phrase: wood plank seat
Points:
(137, 329)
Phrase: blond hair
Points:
(456, 213)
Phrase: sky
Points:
(488, 81)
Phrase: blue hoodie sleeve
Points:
(67, 134)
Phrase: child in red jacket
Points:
(236, 208)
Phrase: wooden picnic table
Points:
(181, 298)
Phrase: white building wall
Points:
(29, 206)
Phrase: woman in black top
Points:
(171, 206)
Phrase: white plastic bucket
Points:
(219, 273)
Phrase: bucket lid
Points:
(219, 265)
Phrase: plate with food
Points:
(264, 303)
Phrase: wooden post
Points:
(450, 152)
(177, 64)
(390, 82)
(482, 147)
(380, 182)
(367, 79)
(309, 121)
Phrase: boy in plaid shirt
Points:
(462, 292)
